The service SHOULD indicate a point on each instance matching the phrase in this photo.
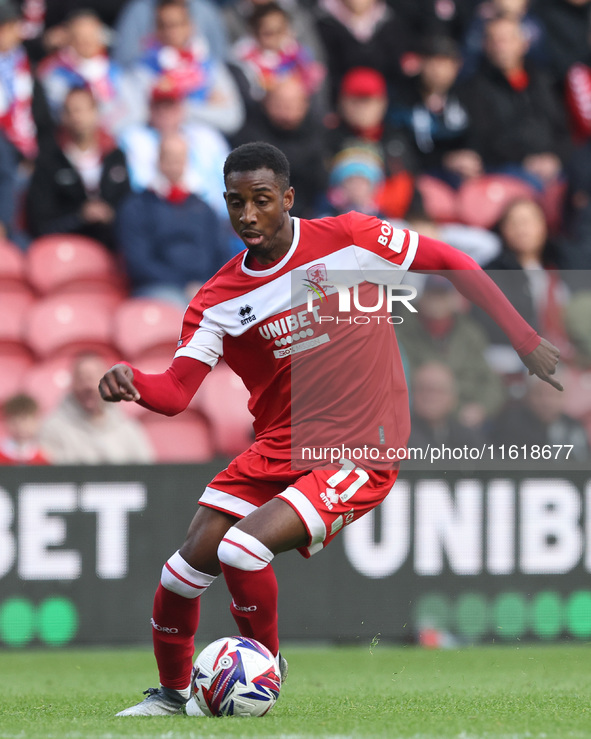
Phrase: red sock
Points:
(174, 623)
(254, 603)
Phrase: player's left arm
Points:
(538, 354)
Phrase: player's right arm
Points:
(168, 393)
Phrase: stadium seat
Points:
(223, 398)
(183, 438)
(14, 307)
(12, 267)
(482, 201)
(49, 381)
(439, 199)
(64, 262)
(13, 368)
(144, 327)
(68, 324)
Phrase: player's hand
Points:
(542, 362)
(117, 384)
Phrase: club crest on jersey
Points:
(246, 315)
(316, 282)
(317, 273)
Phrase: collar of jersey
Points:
(276, 267)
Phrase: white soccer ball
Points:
(235, 676)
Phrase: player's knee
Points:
(243, 551)
(179, 577)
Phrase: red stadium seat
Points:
(61, 262)
(145, 328)
(13, 367)
(68, 324)
(183, 438)
(14, 307)
(439, 199)
(482, 201)
(49, 381)
(12, 267)
(223, 398)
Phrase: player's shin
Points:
(253, 586)
(175, 618)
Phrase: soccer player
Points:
(259, 506)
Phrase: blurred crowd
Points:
(467, 120)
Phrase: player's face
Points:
(259, 207)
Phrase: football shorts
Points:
(325, 500)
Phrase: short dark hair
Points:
(20, 405)
(258, 155)
(166, 3)
(262, 11)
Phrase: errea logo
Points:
(246, 315)
(330, 498)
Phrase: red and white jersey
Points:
(310, 374)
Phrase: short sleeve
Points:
(380, 245)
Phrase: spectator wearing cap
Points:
(287, 120)
(84, 62)
(180, 56)
(207, 148)
(361, 119)
(170, 240)
(24, 119)
(80, 177)
(355, 180)
(429, 112)
(521, 130)
(362, 34)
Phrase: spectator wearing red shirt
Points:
(22, 421)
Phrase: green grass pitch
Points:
(494, 692)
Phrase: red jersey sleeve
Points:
(380, 245)
(170, 392)
(476, 286)
(199, 348)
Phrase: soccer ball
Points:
(235, 676)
